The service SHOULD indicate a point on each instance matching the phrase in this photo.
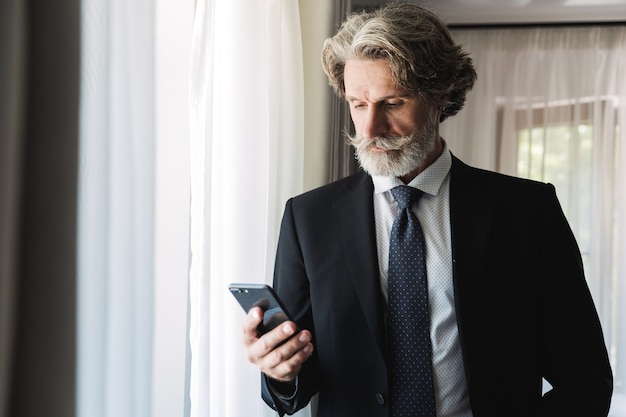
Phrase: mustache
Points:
(385, 142)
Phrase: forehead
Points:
(370, 79)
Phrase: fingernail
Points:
(287, 329)
(304, 337)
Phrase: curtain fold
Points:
(12, 83)
(39, 80)
(246, 160)
(116, 209)
(562, 92)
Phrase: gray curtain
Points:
(11, 85)
(39, 85)
(342, 160)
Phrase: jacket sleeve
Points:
(279, 403)
(292, 286)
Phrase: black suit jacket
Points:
(523, 307)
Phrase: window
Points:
(553, 149)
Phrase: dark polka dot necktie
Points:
(411, 376)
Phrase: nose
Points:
(374, 123)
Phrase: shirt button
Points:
(380, 399)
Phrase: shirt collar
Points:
(429, 181)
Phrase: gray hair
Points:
(423, 57)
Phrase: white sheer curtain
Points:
(551, 86)
(247, 157)
(116, 209)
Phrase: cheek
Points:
(402, 126)
(357, 122)
(410, 122)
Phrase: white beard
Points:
(401, 155)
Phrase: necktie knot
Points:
(405, 196)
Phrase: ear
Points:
(444, 101)
(441, 107)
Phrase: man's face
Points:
(396, 133)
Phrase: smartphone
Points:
(261, 295)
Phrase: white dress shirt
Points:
(433, 212)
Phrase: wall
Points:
(317, 23)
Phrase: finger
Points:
(286, 351)
(274, 347)
(287, 370)
(269, 341)
(250, 325)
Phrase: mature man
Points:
(425, 287)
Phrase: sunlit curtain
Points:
(550, 104)
(116, 209)
(246, 160)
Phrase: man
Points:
(503, 297)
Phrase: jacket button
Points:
(380, 399)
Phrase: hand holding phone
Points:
(261, 295)
(295, 345)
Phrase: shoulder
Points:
(466, 176)
(357, 184)
(489, 191)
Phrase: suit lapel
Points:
(355, 218)
(471, 216)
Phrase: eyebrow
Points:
(406, 95)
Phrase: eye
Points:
(358, 106)
(393, 104)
